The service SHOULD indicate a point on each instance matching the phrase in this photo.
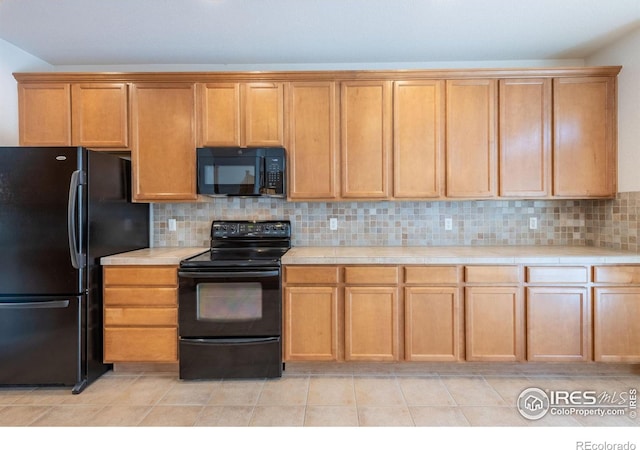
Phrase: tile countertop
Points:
(459, 255)
(169, 256)
(402, 255)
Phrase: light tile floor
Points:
(310, 397)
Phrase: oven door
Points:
(222, 303)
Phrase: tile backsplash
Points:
(605, 223)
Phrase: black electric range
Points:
(230, 302)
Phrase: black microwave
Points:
(241, 171)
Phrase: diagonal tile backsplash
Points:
(606, 223)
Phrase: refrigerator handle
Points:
(76, 258)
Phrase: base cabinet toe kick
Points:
(455, 313)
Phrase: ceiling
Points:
(118, 32)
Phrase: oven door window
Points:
(229, 302)
(230, 176)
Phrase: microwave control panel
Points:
(274, 174)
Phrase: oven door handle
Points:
(225, 341)
(214, 275)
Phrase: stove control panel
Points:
(251, 229)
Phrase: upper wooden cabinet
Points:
(365, 138)
(241, 114)
(584, 131)
(418, 139)
(525, 138)
(45, 114)
(88, 114)
(163, 141)
(471, 138)
(359, 135)
(312, 147)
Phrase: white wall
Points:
(13, 59)
(626, 52)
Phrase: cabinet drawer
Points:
(492, 274)
(141, 316)
(371, 275)
(431, 275)
(133, 296)
(557, 274)
(311, 274)
(141, 276)
(141, 344)
(617, 274)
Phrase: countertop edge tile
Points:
(169, 256)
(401, 255)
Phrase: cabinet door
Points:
(365, 138)
(310, 323)
(471, 138)
(371, 323)
(100, 115)
(433, 324)
(494, 324)
(525, 138)
(263, 114)
(418, 139)
(312, 144)
(219, 111)
(616, 324)
(163, 150)
(45, 114)
(558, 324)
(584, 114)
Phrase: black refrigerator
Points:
(61, 210)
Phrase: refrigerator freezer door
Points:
(34, 233)
(40, 342)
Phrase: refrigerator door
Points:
(35, 222)
(40, 340)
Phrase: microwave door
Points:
(235, 176)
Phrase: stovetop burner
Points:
(244, 244)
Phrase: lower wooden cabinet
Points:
(616, 328)
(311, 322)
(505, 313)
(140, 314)
(558, 324)
(494, 326)
(433, 324)
(371, 323)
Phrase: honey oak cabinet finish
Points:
(311, 314)
(371, 323)
(44, 114)
(616, 327)
(241, 114)
(100, 115)
(311, 323)
(471, 124)
(525, 138)
(390, 126)
(494, 323)
(163, 141)
(92, 115)
(140, 314)
(365, 127)
(558, 323)
(616, 313)
(433, 323)
(418, 139)
(433, 314)
(584, 128)
(313, 149)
